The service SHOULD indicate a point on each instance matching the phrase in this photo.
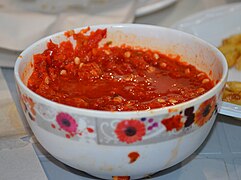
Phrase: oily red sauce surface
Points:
(113, 78)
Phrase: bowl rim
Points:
(123, 114)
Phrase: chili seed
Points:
(76, 60)
(200, 90)
(200, 74)
(187, 71)
(80, 65)
(204, 81)
(129, 77)
(149, 80)
(161, 100)
(163, 65)
(156, 56)
(87, 58)
(173, 101)
(46, 80)
(127, 54)
(151, 69)
(117, 99)
(63, 72)
(107, 52)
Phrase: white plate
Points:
(149, 6)
(213, 25)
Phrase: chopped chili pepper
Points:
(113, 78)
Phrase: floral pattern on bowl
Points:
(120, 131)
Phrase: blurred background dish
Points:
(148, 6)
(48, 17)
(213, 26)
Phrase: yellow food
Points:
(234, 39)
(231, 49)
(230, 53)
(238, 64)
(232, 92)
(233, 86)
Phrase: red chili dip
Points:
(113, 78)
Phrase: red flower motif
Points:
(130, 131)
(173, 122)
(205, 111)
(66, 122)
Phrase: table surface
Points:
(219, 157)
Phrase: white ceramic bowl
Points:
(98, 145)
